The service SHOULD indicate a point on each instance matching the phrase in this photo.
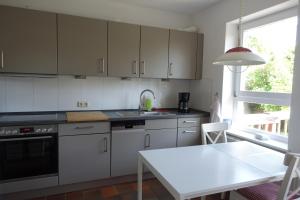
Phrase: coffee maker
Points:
(183, 102)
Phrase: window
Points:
(262, 93)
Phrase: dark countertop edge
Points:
(193, 113)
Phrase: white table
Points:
(189, 172)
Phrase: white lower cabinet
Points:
(189, 136)
(163, 138)
(125, 147)
(189, 131)
(84, 158)
(127, 143)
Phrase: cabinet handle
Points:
(189, 122)
(134, 67)
(27, 138)
(84, 127)
(2, 59)
(143, 68)
(147, 141)
(102, 63)
(189, 131)
(105, 145)
(170, 69)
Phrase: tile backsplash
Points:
(62, 93)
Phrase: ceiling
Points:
(181, 6)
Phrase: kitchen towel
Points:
(215, 110)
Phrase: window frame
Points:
(275, 98)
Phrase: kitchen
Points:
(59, 63)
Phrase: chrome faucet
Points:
(146, 90)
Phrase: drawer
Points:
(83, 128)
(161, 124)
(189, 122)
(189, 130)
(189, 136)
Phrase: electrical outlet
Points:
(84, 104)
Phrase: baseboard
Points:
(73, 187)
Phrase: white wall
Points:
(62, 93)
(105, 9)
(212, 22)
(294, 132)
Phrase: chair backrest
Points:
(292, 161)
(218, 129)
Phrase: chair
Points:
(273, 191)
(218, 129)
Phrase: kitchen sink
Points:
(144, 113)
(154, 113)
(127, 113)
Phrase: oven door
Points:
(28, 156)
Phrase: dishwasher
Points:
(128, 137)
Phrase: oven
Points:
(28, 152)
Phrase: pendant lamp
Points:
(239, 56)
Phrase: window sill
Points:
(271, 143)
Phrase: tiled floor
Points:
(152, 190)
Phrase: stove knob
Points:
(14, 132)
(44, 130)
(49, 130)
(38, 130)
(7, 132)
(2, 132)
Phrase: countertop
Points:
(59, 117)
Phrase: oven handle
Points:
(25, 138)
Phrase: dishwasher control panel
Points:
(128, 124)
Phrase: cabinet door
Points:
(84, 158)
(189, 136)
(123, 49)
(125, 147)
(183, 50)
(154, 52)
(157, 139)
(82, 46)
(28, 42)
(200, 41)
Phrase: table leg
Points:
(140, 178)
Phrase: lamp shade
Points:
(239, 56)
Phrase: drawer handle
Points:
(189, 122)
(189, 131)
(105, 145)
(84, 127)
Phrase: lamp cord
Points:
(240, 22)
